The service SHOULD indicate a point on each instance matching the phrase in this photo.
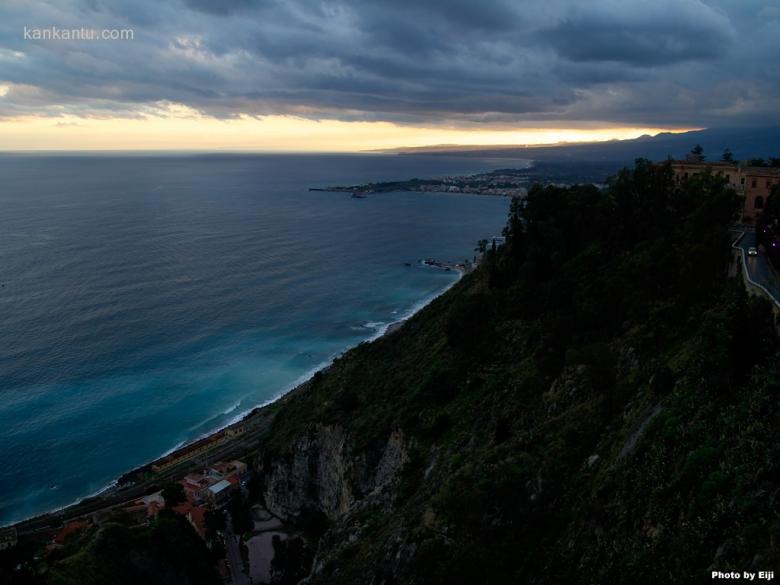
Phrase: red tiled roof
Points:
(153, 509)
(197, 517)
(70, 528)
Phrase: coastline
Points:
(306, 377)
(119, 488)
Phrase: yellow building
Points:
(753, 183)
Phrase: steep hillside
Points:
(596, 404)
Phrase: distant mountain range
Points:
(744, 143)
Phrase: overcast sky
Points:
(454, 63)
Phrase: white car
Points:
(752, 251)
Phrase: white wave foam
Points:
(232, 408)
(379, 329)
(415, 308)
(178, 445)
(98, 492)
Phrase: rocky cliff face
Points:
(322, 471)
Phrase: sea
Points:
(149, 299)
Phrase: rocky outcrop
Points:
(633, 439)
(322, 471)
(570, 386)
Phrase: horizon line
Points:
(455, 147)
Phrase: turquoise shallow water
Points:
(148, 300)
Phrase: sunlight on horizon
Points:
(184, 129)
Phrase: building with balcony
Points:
(753, 183)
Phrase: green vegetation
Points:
(597, 403)
(240, 513)
(173, 494)
(291, 560)
(760, 162)
(756, 162)
(167, 552)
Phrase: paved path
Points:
(261, 553)
(232, 545)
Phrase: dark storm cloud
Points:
(653, 34)
(532, 62)
(220, 6)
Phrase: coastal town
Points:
(504, 183)
(213, 500)
(209, 483)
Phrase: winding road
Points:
(758, 267)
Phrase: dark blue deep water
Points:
(148, 300)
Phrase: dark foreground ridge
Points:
(596, 403)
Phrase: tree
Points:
(239, 513)
(728, 156)
(215, 522)
(255, 489)
(698, 151)
(772, 207)
(757, 162)
(292, 560)
(173, 494)
(469, 323)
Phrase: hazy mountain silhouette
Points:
(743, 142)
